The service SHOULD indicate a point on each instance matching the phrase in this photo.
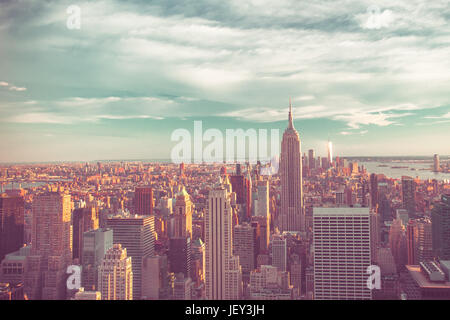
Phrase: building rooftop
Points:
(422, 280)
(20, 254)
(341, 211)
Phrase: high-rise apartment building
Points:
(341, 253)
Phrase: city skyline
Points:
(134, 72)
(243, 151)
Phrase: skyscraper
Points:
(241, 186)
(419, 241)
(440, 217)
(182, 215)
(51, 250)
(341, 253)
(143, 200)
(330, 153)
(264, 231)
(83, 219)
(115, 275)
(11, 223)
(245, 246)
(182, 287)
(409, 194)
(311, 159)
(374, 190)
(155, 280)
(279, 253)
(397, 242)
(290, 218)
(262, 207)
(95, 245)
(436, 165)
(223, 272)
(136, 234)
(180, 255)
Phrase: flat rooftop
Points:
(341, 211)
(423, 281)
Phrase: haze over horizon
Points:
(136, 71)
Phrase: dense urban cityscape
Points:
(209, 159)
(142, 230)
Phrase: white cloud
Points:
(14, 88)
(348, 133)
(11, 87)
(35, 117)
(304, 98)
(444, 116)
(356, 119)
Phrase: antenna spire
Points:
(291, 125)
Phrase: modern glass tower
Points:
(440, 218)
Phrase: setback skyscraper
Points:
(115, 275)
(136, 234)
(223, 271)
(51, 250)
(291, 215)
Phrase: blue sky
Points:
(136, 70)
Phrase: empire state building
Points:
(291, 215)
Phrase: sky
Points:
(371, 76)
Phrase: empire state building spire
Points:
(291, 124)
(291, 214)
